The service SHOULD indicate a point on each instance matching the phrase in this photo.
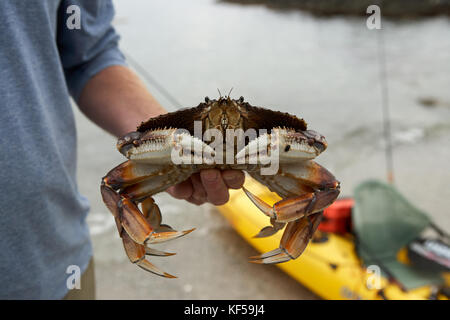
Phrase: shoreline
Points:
(391, 8)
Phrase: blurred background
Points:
(323, 68)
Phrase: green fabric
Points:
(384, 222)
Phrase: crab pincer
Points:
(306, 189)
(295, 238)
(139, 230)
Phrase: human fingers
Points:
(182, 190)
(234, 179)
(215, 187)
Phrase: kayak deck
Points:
(330, 268)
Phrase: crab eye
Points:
(287, 148)
(241, 99)
(207, 99)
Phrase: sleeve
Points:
(94, 46)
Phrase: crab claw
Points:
(136, 225)
(294, 208)
(275, 256)
(136, 253)
(151, 212)
(146, 265)
(128, 141)
(153, 215)
(165, 146)
(266, 232)
(294, 241)
(154, 252)
(270, 230)
(286, 145)
(134, 222)
(263, 206)
(165, 228)
(158, 237)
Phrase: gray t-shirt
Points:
(43, 226)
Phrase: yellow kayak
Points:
(331, 268)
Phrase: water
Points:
(325, 70)
(322, 69)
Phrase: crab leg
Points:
(153, 215)
(137, 182)
(137, 229)
(129, 217)
(294, 241)
(111, 198)
(151, 212)
(135, 224)
(306, 190)
(270, 230)
(129, 173)
(294, 208)
(154, 252)
(135, 252)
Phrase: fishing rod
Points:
(385, 105)
(387, 140)
(156, 84)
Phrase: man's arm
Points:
(117, 100)
(114, 97)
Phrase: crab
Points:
(168, 149)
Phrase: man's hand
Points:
(210, 185)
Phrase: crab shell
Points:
(274, 148)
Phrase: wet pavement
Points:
(325, 70)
